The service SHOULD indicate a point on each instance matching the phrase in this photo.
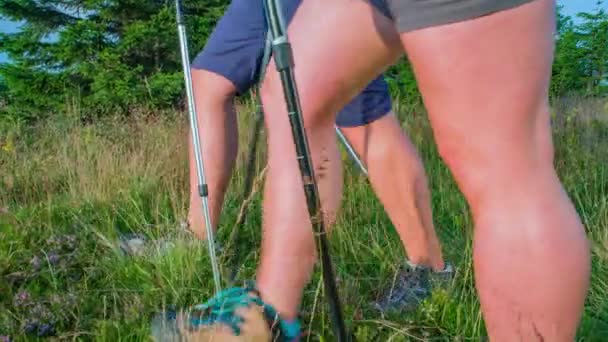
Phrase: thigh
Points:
(235, 47)
(326, 37)
(484, 82)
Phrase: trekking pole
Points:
(283, 57)
(247, 188)
(259, 119)
(351, 151)
(253, 142)
(255, 131)
(252, 152)
(203, 189)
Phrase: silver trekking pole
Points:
(203, 189)
(351, 151)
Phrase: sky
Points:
(571, 7)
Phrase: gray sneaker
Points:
(410, 286)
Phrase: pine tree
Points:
(593, 42)
(107, 56)
(567, 66)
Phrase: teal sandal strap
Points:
(222, 309)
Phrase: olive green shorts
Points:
(411, 15)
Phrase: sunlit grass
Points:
(68, 191)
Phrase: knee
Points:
(472, 170)
(315, 105)
(485, 170)
(391, 146)
(211, 89)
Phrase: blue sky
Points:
(571, 7)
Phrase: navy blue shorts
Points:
(236, 47)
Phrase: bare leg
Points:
(288, 250)
(397, 176)
(485, 84)
(213, 95)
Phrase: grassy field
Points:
(67, 192)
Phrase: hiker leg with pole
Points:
(283, 58)
(248, 294)
(486, 94)
(369, 109)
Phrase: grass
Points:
(67, 192)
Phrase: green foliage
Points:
(593, 34)
(67, 193)
(581, 54)
(108, 56)
(103, 56)
(402, 82)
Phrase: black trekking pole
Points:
(283, 57)
(252, 144)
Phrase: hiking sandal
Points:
(233, 315)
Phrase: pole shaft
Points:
(351, 150)
(194, 128)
